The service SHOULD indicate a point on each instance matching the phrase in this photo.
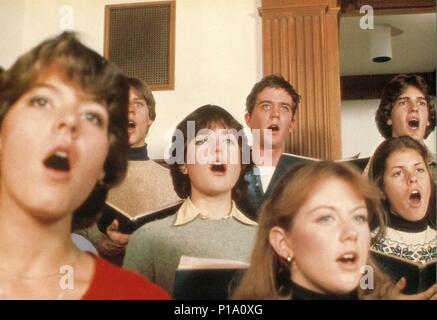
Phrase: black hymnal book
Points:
(206, 279)
(287, 161)
(419, 276)
(128, 223)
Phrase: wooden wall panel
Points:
(296, 44)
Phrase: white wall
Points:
(359, 131)
(218, 59)
(11, 26)
(218, 50)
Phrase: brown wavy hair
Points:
(97, 77)
(379, 165)
(391, 93)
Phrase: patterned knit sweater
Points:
(415, 241)
(155, 249)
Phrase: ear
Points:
(247, 117)
(183, 169)
(150, 122)
(389, 122)
(293, 123)
(280, 242)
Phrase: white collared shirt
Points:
(189, 212)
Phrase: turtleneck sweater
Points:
(301, 293)
(138, 154)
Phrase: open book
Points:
(128, 223)
(288, 160)
(144, 195)
(204, 278)
(420, 276)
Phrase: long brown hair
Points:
(379, 164)
(269, 274)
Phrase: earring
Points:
(289, 259)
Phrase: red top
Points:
(111, 282)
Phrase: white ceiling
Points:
(413, 45)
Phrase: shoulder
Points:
(152, 164)
(155, 227)
(111, 282)
(151, 234)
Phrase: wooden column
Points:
(300, 41)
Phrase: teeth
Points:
(413, 122)
(61, 154)
(348, 256)
(415, 195)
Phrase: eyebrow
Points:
(416, 164)
(138, 99)
(334, 209)
(408, 98)
(45, 85)
(271, 102)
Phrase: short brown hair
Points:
(97, 77)
(391, 93)
(272, 81)
(206, 117)
(144, 91)
(268, 274)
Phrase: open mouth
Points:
(348, 258)
(218, 167)
(415, 197)
(413, 123)
(131, 124)
(274, 127)
(58, 161)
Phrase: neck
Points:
(301, 293)
(214, 207)
(263, 156)
(32, 247)
(398, 222)
(138, 153)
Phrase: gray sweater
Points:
(155, 249)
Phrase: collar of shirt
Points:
(136, 154)
(189, 212)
